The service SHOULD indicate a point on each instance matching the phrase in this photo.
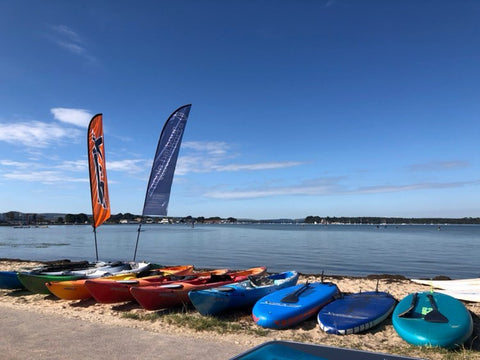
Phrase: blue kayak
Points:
(9, 280)
(241, 294)
(432, 319)
(290, 306)
(353, 313)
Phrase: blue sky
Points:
(330, 108)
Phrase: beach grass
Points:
(194, 321)
(238, 323)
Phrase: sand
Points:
(383, 338)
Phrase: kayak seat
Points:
(218, 278)
(260, 280)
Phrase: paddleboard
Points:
(471, 295)
(289, 350)
(449, 284)
(290, 306)
(432, 319)
(353, 313)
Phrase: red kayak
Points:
(113, 291)
(173, 293)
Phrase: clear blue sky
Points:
(300, 107)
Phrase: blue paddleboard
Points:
(353, 313)
(290, 306)
(432, 319)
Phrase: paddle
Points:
(293, 297)
(435, 315)
(411, 307)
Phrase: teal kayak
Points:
(432, 319)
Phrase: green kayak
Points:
(35, 283)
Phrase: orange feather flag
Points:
(98, 171)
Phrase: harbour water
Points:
(357, 250)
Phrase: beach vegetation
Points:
(197, 322)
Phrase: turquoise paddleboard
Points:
(292, 305)
(432, 319)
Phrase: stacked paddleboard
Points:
(462, 289)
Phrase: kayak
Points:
(76, 289)
(9, 279)
(290, 306)
(34, 281)
(432, 319)
(354, 313)
(170, 294)
(109, 291)
(241, 294)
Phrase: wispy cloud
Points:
(44, 177)
(77, 117)
(40, 134)
(439, 165)
(133, 166)
(319, 187)
(35, 134)
(258, 166)
(210, 147)
(68, 39)
(410, 187)
(329, 186)
(202, 157)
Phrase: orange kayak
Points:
(113, 291)
(173, 293)
(77, 290)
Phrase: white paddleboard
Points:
(472, 295)
(450, 284)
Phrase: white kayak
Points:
(450, 284)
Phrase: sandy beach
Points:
(238, 328)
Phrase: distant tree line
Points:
(388, 220)
(15, 218)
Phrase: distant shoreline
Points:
(12, 218)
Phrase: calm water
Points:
(412, 251)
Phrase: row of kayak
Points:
(276, 300)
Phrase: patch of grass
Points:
(141, 317)
(197, 322)
(429, 352)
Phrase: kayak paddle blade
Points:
(435, 315)
(293, 297)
